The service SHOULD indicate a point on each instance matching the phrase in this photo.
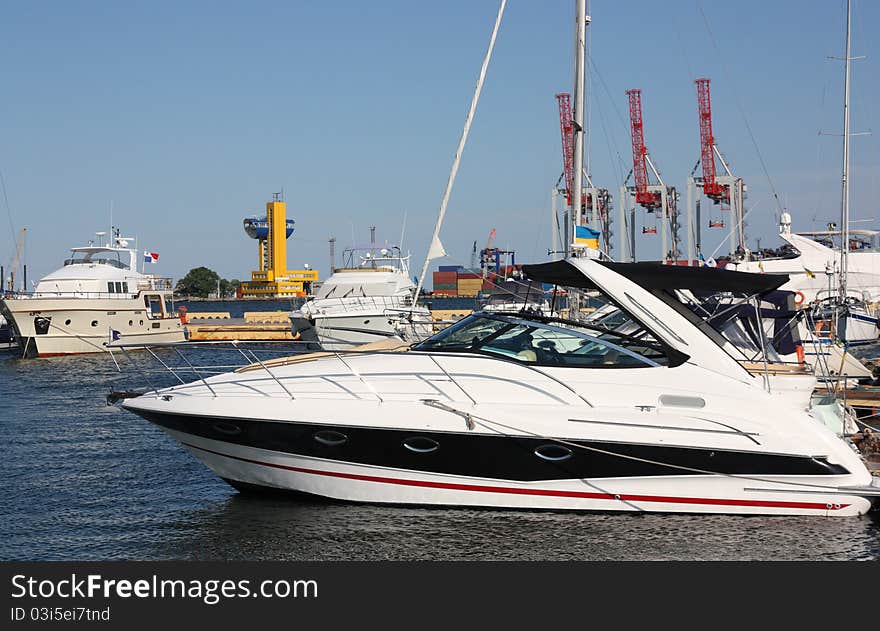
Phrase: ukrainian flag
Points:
(586, 237)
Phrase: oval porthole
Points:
(331, 438)
(142, 322)
(366, 321)
(230, 429)
(421, 444)
(94, 323)
(67, 322)
(131, 323)
(553, 453)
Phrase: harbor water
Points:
(86, 481)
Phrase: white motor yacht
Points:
(813, 266)
(847, 306)
(372, 298)
(514, 296)
(96, 298)
(522, 411)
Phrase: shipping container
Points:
(450, 268)
(448, 277)
(469, 275)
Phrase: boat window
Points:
(360, 290)
(112, 259)
(154, 306)
(547, 341)
(111, 287)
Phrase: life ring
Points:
(798, 298)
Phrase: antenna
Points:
(402, 232)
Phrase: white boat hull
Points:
(249, 467)
(79, 326)
(345, 332)
(859, 329)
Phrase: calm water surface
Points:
(84, 481)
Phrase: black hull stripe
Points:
(507, 490)
(481, 455)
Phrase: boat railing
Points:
(155, 283)
(332, 306)
(182, 363)
(829, 294)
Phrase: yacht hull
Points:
(57, 346)
(858, 328)
(57, 326)
(292, 457)
(345, 332)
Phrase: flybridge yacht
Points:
(371, 299)
(97, 297)
(519, 410)
(814, 271)
(516, 295)
(814, 261)
(847, 310)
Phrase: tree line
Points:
(201, 282)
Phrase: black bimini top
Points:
(652, 276)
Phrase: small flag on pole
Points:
(114, 335)
(151, 257)
(586, 236)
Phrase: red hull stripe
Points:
(527, 491)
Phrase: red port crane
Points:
(566, 128)
(645, 198)
(711, 187)
(596, 202)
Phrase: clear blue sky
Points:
(187, 116)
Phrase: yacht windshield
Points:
(546, 341)
(96, 258)
(363, 290)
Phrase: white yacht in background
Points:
(814, 263)
(97, 297)
(846, 306)
(516, 295)
(372, 298)
(523, 411)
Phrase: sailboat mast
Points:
(435, 249)
(844, 206)
(580, 35)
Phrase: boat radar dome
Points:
(785, 223)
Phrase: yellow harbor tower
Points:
(273, 279)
